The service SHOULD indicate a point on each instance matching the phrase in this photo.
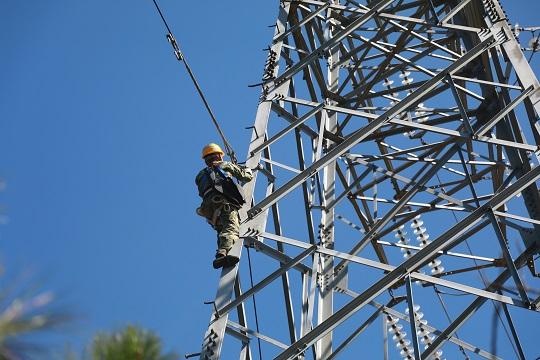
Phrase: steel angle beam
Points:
(412, 317)
(405, 180)
(304, 21)
(419, 185)
(292, 119)
(288, 129)
(275, 254)
(454, 11)
(213, 339)
(267, 280)
(355, 333)
(362, 19)
(413, 263)
(231, 325)
(449, 253)
(453, 339)
(329, 75)
(362, 133)
(499, 26)
(239, 335)
(517, 342)
(474, 306)
(388, 15)
(416, 275)
(487, 127)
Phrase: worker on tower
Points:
(221, 197)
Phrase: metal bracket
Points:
(216, 312)
(532, 267)
(177, 52)
(268, 174)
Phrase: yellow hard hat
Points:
(211, 149)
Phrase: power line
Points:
(254, 303)
(181, 57)
(484, 280)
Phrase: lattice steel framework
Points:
(379, 118)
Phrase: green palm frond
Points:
(131, 343)
(23, 317)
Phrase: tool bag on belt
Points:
(212, 209)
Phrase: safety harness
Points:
(219, 192)
(218, 181)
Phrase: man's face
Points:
(213, 159)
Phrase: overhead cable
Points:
(181, 57)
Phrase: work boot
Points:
(221, 258)
(231, 260)
(225, 261)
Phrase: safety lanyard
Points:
(219, 170)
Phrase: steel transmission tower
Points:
(395, 212)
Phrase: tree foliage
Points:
(131, 343)
(22, 317)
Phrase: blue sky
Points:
(101, 132)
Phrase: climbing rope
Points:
(181, 57)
